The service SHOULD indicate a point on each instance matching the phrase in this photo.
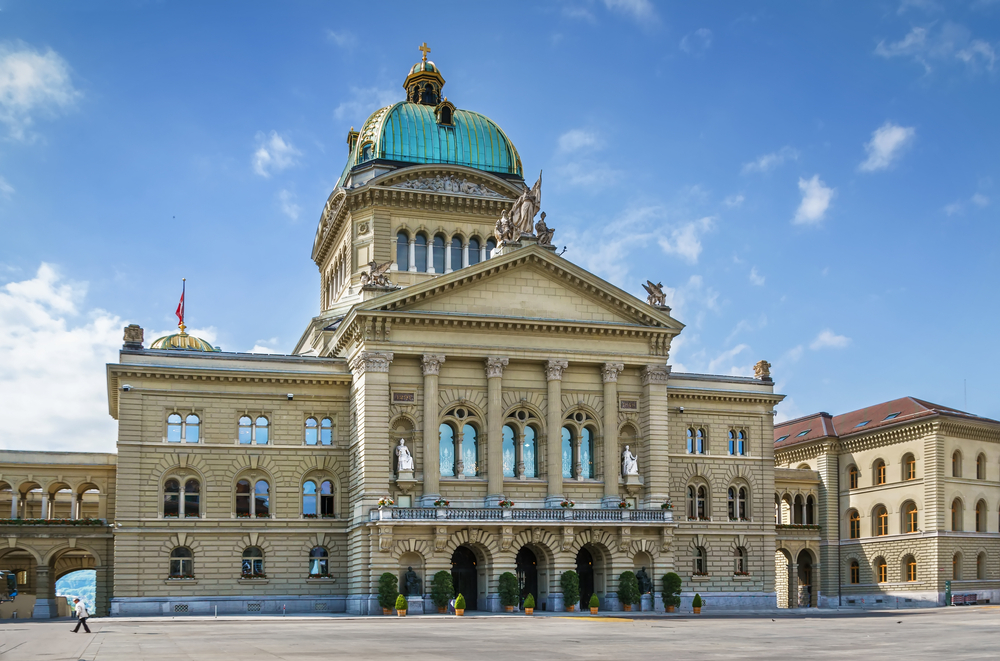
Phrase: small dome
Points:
(424, 66)
(182, 342)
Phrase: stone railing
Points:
(485, 514)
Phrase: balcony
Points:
(519, 515)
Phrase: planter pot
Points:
(443, 610)
(529, 611)
(697, 610)
(670, 609)
(401, 613)
(593, 611)
(385, 611)
(509, 609)
(570, 609)
(459, 611)
(627, 607)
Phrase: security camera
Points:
(290, 396)
(126, 387)
(681, 409)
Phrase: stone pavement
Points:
(953, 633)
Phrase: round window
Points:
(579, 416)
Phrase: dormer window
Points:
(445, 112)
(428, 96)
(366, 152)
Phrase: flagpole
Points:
(183, 303)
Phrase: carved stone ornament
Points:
(624, 539)
(385, 539)
(506, 538)
(610, 371)
(655, 374)
(656, 297)
(133, 336)
(431, 364)
(554, 369)
(449, 184)
(567, 538)
(494, 367)
(376, 276)
(762, 370)
(440, 538)
(371, 361)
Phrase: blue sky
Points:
(815, 184)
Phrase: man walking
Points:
(82, 615)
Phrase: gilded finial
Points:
(424, 49)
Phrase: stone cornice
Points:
(208, 374)
(371, 361)
(744, 396)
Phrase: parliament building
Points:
(466, 399)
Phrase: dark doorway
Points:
(527, 574)
(465, 576)
(585, 568)
(805, 580)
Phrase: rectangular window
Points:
(855, 574)
(883, 573)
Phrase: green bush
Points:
(628, 589)
(508, 589)
(459, 602)
(388, 588)
(696, 602)
(401, 603)
(594, 601)
(529, 601)
(442, 588)
(671, 590)
(570, 582)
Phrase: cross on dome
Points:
(424, 49)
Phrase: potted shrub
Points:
(506, 502)
(388, 588)
(628, 590)
(671, 591)
(696, 604)
(570, 582)
(595, 603)
(441, 502)
(567, 503)
(529, 605)
(508, 590)
(441, 590)
(401, 606)
(460, 604)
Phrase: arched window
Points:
(737, 503)
(253, 431)
(692, 502)
(528, 453)
(699, 561)
(490, 247)
(956, 567)
(173, 428)
(183, 429)
(246, 430)
(260, 430)
(956, 515)
(740, 561)
(326, 431)
(981, 566)
(253, 563)
(697, 503)
(981, 467)
(855, 572)
(192, 428)
(473, 251)
(456, 252)
(181, 563)
(420, 253)
(586, 454)
(243, 499)
(446, 116)
(700, 442)
(909, 467)
(470, 451)
(797, 513)
(732, 442)
(741, 443)
(319, 562)
(309, 504)
(854, 524)
(402, 251)
(909, 568)
(852, 477)
(446, 450)
(910, 521)
(192, 498)
(956, 464)
(439, 254)
(731, 496)
(690, 441)
(567, 453)
(810, 511)
(326, 500)
(879, 470)
(881, 570)
(262, 499)
(509, 452)
(171, 499)
(880, 519)
(981, 516)
(312, 431)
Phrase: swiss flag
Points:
(180, 305)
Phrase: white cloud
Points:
(980, 200)
(640, 10)
(829, 340)
(886, 145)
(756, 278)
(685, 241)
(734, 201)
(747, 326)
(364, 101)
(32, 83)
(273, 154)
(770, 161)
(958, 206)
(344, 39)
(816, 198)
(6, 190)
(727, 357)
(261, 346)
(953, 208)
(793, 354)
(697, 42)
(288, 206)
(951, 43)
(577, 139)
(590, 175)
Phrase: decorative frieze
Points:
(655, 374)
(371, 361)
(554, 369)
(449, 184)
(431, 363)
(494, 367)
(610, 371)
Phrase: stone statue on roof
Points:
(526, 207)
(543, 231)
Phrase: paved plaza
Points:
(954, 633)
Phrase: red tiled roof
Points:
(820, 425)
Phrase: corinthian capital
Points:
(494, 366)
(610, 371)
(432, 363)
(371, 361)
(655, 374)
(554, 369)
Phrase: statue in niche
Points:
(656, 296)
(405, 459)
(526, 207)
(645, 584)
(411, 582)
(630, 463)
(543, 231)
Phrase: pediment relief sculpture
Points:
(449, 184)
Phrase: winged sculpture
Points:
(376, 274)
(656, 296)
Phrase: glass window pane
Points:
(262, 499)
(174, 428)
(309, 498)
(509, 458)
(402, 252)
(326, 431)
(470, 451)
(446, 450)
(261, 430)
(191, 498)
(456, 253)
(528, 452)
(193, 427)
(490, 245)
(473, 251)
(439, 254)
(171, 498)
(567, 453)
(420, 256)
(245, 430)
(312, 434)
(586, 454)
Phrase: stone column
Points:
(610, 373)
(45, 594)
(482, 252)
(553, 456)
(465, 254)
(102, 503)
(430, 254)
(793, 585)
(653, 418)
(431, 364)
(45, 505)
(494, 426)
(15, 503)
(447, 258)
(412, 255)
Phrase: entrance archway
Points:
(527, 574)
(585, 569)
(465, 576)
(805, 596)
